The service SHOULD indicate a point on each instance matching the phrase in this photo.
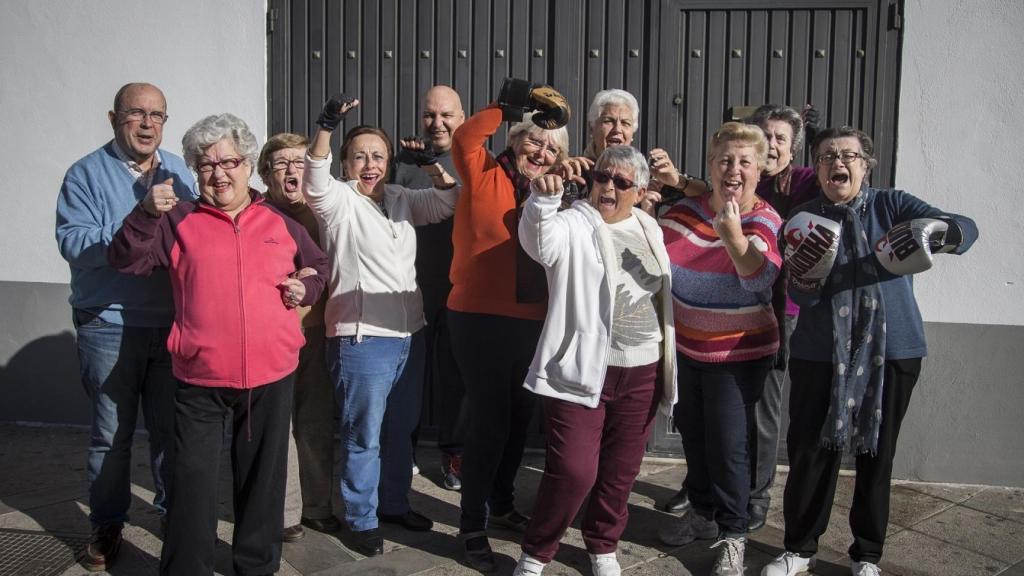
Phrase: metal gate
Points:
(690, 64)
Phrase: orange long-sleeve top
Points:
(483, 272)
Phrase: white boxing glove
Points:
(907, 247)
(812, 243)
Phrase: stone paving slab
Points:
(934, 529)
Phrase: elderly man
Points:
(122, 322)
(442, 115)
(311, 446)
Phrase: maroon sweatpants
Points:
(597, 451)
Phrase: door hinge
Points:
(896, 15)
(271, 19)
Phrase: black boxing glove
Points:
(421, 157)
(332, 115)
(517, 97)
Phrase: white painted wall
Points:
(63, 60)
(961, 123)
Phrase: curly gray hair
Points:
(629, 158)
(213, 129)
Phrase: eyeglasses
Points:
(844, 157)
(138, 114)
(283, 164)
(602, 177)
(225, 165)
(542, 146)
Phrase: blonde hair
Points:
(746, 134)
(282, 141)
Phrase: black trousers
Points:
(494, 353)
(714, 416)
(813, 470)
(258, 420)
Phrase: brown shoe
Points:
(103, 548)
(292, 533)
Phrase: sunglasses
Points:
(602, 177)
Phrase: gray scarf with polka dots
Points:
(858, 351)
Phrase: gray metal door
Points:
(689, 63)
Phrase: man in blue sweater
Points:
(122, 322)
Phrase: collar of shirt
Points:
(145, 178)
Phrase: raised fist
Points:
(334, 111)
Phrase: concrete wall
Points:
(961, 102)
(960, 123)
(61, 62)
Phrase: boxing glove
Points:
(811, 245)
(332, 115)
(517, 97)
(907, 247)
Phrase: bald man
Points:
(121, 321)
(442, 115)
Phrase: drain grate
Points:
(27, 553)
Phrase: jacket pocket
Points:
(580, 366)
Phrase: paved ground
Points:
(935, 528)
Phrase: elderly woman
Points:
(612, 120)
(856, 352)
(606, 357)
(234, 342)
(375, 349)
(724, 252)
(496, 308)
(311, 443)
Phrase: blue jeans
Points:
(377, 387)
(121, 365)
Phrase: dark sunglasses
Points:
(602, 177)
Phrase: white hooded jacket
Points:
(577, 253)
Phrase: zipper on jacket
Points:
(241, 301)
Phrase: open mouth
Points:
(291, 184)
(607, 201)
(614, 141)
(839, 179)
(732, 187)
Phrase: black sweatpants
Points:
(813, 469)
(258, 419)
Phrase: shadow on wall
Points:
(41, 383)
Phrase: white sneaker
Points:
(788, 564)
(528, 566)
(864, 569)
(692, 526)
(605, 564)
(730, 557)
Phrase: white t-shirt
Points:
(636, 331)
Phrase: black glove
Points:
(812, 120)
(332, 115)
(517, 97)
(424, 157)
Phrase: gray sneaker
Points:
(730, 557)
(691, 526)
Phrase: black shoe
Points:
(410, 520)
(476, 550)
(510, 521)
(292, 533)
(103, 548)
(327, 525)
(367, 542)
(758, 514)
(678, 503)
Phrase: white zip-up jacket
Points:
(576, 250)
(373, 290)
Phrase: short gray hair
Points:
(560, 136)
(612, 97)
(213, 129)
(628, 158)
(767, 112)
